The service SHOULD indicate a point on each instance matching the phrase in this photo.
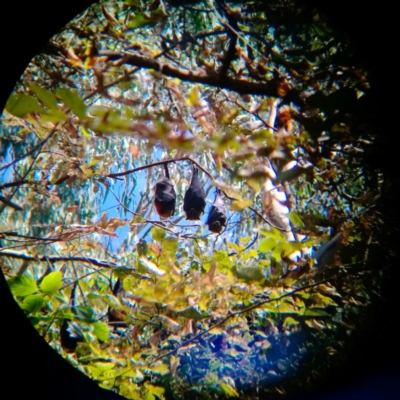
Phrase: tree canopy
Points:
(268, 103)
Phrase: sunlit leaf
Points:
(128, 283)
(52, 282)
(104, 366)
(229, 390)
(289, 322)
(101, 331)
(296, 219)
(160, 369)
(158, 234)
(193, 96)
(170, 244)
(228, 189)
(23, 285)
(267, 245)
(241, 204)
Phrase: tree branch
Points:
(54, 258)
(201, 76)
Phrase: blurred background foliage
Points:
(269, 102)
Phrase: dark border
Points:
(31, 368)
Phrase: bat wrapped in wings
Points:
(194, 201)
(217, 216)
(165, 196)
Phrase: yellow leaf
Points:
(227, 189)
(193, 98)
(238, 205)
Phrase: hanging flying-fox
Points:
(217, 216)
(165, 197)
(194, 201)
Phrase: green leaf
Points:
(161, 369)
(229, 390)
(274, 234)
(54, 116)
(45, 96)
(296, 219)
(22, 104)
(33, 303)
(132, 3)
(170, 244)
(267, 245)
(34, 319)
(72, 100)
(101, 331)
(127, 283)
(143, 19)
(52, 282)
(154, 390)
(289, 321)
(112, 301)
(157, 233)
(316, 313)
(23, 285)
(104, 366)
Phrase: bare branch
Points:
(56, 258)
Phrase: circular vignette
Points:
(15, 312)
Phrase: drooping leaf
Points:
(72, 100)
(33, 303)
(193, 96)
(23, 285)
(47, 97)
(20, 104)
(241, 204)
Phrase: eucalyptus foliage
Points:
(268, 101)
